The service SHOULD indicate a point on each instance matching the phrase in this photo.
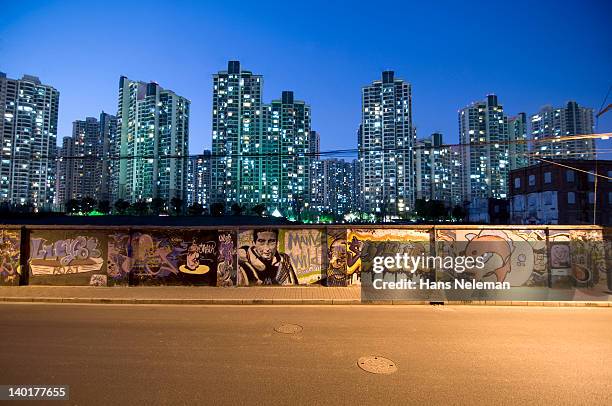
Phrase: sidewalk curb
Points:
(226, 301)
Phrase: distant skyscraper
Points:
(357, 199)
(237, 138)
(64, 172)
(199, 179)
(28, 133)
(83, 160)
(338, 186)
(288, 120)
(550, 124)
(386, 147)
(106, 161)
(317, 186)
(483, 133)
(152, 140)
(433, 163)
(315, 144)
(517, 148)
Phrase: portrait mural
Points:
(272, 256)
(10, 269)
(67, 257)
(163, 258)
(337, 252)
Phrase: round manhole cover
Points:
(288, 328)
(377, 365)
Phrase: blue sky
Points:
(528, 53)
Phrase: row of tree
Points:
(155, 207)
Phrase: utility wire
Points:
(336, 152)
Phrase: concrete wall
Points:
(553, 257)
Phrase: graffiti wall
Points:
(518, 257)
(164, 258)
(366, 244)
(10, 270)
(280, 256)
(67, 257)
(336, 266)
(578, 260)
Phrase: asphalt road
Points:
(172, 355)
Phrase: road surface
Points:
(160, 355)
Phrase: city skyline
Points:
(332, 88)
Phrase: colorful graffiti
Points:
(226, 271)
(10, 270)
(66, 257)
(305, 249)
(160, 258)
(366, 244)
(337, 256)
(514, 256)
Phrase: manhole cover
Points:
(288, 328)
(377, 365)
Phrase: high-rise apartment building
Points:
(483, 135)
(386, 147)
(433, 162)
(518, 149)
(550, 125)
(152, 142)
(338, 186)
(85, 159)
(288, 120)
(237, 137)
(262, 151)
(108, 137)
(28, 133)
(315, 144)
(199, 179)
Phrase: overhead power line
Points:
(336, 152)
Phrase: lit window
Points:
(571, 198)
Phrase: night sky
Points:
(530, 53)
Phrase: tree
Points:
(121, 206)
(140, 208)
(104, 206)
(73, 206)
(195, 209)
(158, 205)
(237, 209)
(88, 204)
(259, 209)
(217, 209)
(177, 205)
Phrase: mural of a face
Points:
(265, 244)
(193, 257)
(337, 254)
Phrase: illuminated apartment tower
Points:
(199, 179)
(433, 163)
(28, 133)
(286, 145)
(108, 136)
(152, 140)
(386, 147)
(237, 137)
(550, 124)
(518, 149)
(483, 133)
